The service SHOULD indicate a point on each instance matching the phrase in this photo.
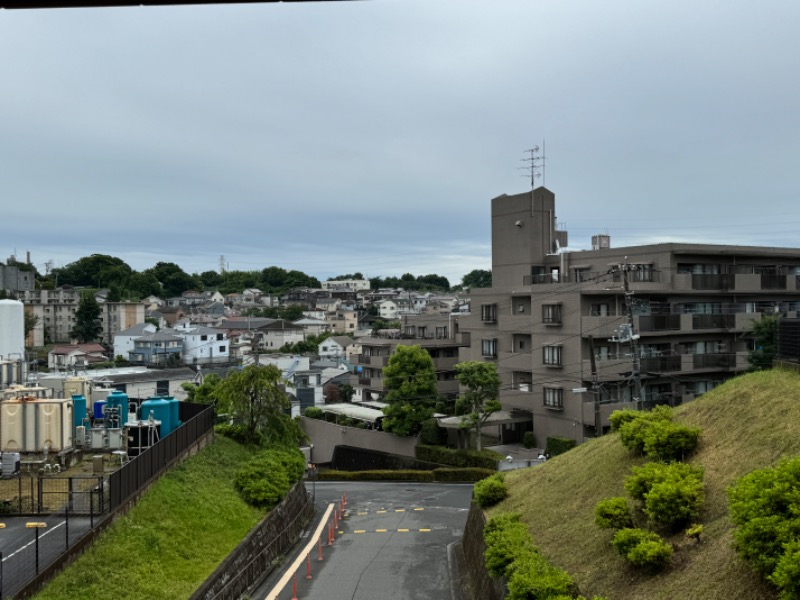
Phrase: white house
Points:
(123, 341)
(313, 326)
(281, 332)
(203, 345)
(339, 346)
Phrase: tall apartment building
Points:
(56, 310)
(682, 328)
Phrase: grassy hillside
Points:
(748, 423)
(174, 537)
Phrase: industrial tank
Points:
(12, 329)
(116, 409)
(99, 409)
(161, 412)
(174, 412)
(31, 425)
(78, 409)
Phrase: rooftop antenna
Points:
(222, 264)
(536, 164)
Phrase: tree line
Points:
(167, 279)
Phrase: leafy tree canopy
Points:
(253, 395)
(410, 381)
(88, 326)
(765, 334)
(480, 400)
(95, 271)
(477, 278)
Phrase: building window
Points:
(551, 314)
(222, 348)
(552, 355)
(441, 333)
(553, 397)
(219, 337)
(599, 310)
(203, 338)
(421, 331)
(489, 347)
(411, 330)
(489, 313)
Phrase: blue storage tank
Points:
(99, 407)
(78, 409)
(161, 412)
(174, 412)
(118, 400)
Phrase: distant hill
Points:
(748, 423)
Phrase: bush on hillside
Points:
(559, 445)
(292, 461)
(613, 513)
(643, 478)
(674, 503)
(765, 508)
(643, 549)
(506, 538)
(532, 577)
(619, 417)
(787, 572)
(262, 482)
(240, 434)
(488, 492)
(668, 441)
(633, 429)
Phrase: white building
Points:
(338, 347)
(123, 341)
(203, 345)
(346, 284)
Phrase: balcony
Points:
(661, 364)
(601, 327)
(714, 361)
(651, 323)
(371, 361)
(713, 321)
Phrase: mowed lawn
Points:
(169, 543)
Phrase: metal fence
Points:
(62, 515)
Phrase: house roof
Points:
(343, 340)
(136, 330)
(69, 348)
(159, 336)
(280, 325)
(246, 323)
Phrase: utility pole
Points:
(598, 423)
(637, 359)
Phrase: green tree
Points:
(480, 399)
(97, 270)
(30, 322)
(253, 395)
(765, 334)
(88, 326)
(206, 392)
(410, 381)
(174, 280)
(477, 278)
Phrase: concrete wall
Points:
(482, 584)
(326, 436)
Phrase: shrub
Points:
(240, 434)
(694, 532)
(667, 441)
(625, 539)
(485, 459)
(292, 461)
(559, 445)
(488, 492)
(613, 513)
(673, 503)
(313, 412)
(262, 482)
(765, 508)
(532, 578)
(633, 429)
(506, 541)
(529, 439)
(431, 434)
(787, 572)
(645, 477)
(619, 417)
(650, 554)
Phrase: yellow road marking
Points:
(381, 511)
(400, 510)
(360, 531)
(381, 530)
(419, 509)
(403, 530)
(424, 529)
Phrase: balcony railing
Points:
(714, 361)
(659, 323)
(715, 321)
(661, 364)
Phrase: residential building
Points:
(376, 351)
(576, 335)
(74, 356)
(339, 347)
(313, 326)
(280, 332)
(56, 310)
(123, 340)
(157, 349)
(388, 309)
(357, 285)
(203, 345)
(343, 321)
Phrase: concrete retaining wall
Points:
(482, 585)
(326, 436)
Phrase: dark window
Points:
(203, 338)
(551, 314)
(553, 397)
(488, 313)
(162, 387)
(222, 348)
(552, 355)
(489, 347)
(219, 336)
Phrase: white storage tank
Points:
(12, 329)
(30, 425)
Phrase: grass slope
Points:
(748, 423)
(174, 537)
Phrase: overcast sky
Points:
(370, 136)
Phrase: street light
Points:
(37, 525)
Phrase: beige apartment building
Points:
(56, 310)
(681, 329)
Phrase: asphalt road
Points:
(397, 541)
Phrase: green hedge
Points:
(490, 491)
(559, 445)
(465, 474)
(485, 459)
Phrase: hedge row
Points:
(441, 474)
(485, 459)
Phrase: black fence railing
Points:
(137, 473)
